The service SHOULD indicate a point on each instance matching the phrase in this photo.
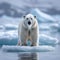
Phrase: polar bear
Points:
(28, 30)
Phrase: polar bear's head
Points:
(29, 20)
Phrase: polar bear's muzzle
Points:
(29, 22)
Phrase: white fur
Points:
(24, 28)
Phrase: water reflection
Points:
(27, 56)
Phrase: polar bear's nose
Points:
(29, 22)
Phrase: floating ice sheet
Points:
(7, 48)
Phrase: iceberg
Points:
(11, 27)
(1, 27)
(42, 17)
(8, 38)
(7, 48)
(54, 27)
(51, 28)
(44, 27)
(47, 40)
(8, 41)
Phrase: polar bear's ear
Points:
(34, 16)
(24, 16)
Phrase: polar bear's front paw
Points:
(33, 44)
(24, 45)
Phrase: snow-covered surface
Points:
(27, 48)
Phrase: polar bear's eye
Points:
(27, 18)
(34, 16)
(31, 18)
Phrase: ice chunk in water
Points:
(47, 40)
(44, 48)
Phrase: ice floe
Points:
(10, 26)
(7, 48)
(47, 40)
(8, 38)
